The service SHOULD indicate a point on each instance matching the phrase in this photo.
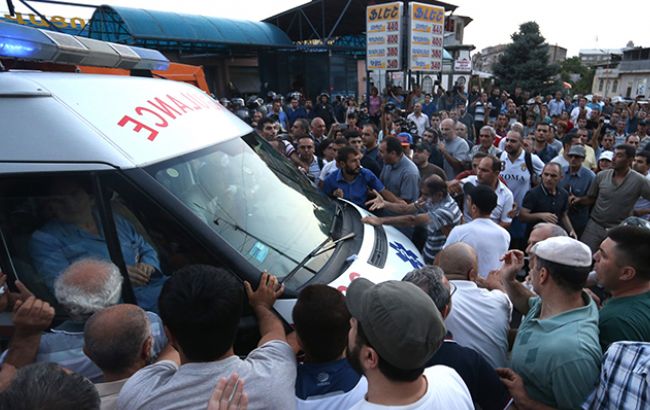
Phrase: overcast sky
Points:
(570, 24)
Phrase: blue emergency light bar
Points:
(27, 43)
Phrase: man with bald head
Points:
(118, 340)
(453, 148)
(480, 318)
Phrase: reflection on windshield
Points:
(265, 210)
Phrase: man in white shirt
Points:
(480, 319)
(489, 240)
(420, 119)
(581, 109)
(487, 173)
(518, 176)
(395, 329)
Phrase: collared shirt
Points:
(441, 214)
(578, 183)
(421, 121)
(624, 381)
(555, 107)
(558, 357)
(355, 190)
(402, 179)
(480, 319)
(614, 202)
(546, 154)
(539, 199)
(108, 393)
(314, 169)
(478, 148)
(517, 176)
(64, 345)
(505, 199)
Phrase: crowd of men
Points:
(531, 217)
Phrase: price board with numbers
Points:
(384, 36)
(425, 37)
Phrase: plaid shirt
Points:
(624, 378)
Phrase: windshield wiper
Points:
(324, 246)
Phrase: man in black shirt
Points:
(547, 202)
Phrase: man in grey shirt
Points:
(613, 193)
(399, 175)
(200, 307)
(454, 149)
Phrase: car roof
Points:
(117, 120)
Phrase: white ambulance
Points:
(193, 181)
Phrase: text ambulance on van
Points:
(185, 176)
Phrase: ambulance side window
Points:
(47, 223)
(173, 247)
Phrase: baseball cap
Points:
(405, 138)
(578, 150)
(563, 250)
(643, 122)
(400, 321)
(606, 155)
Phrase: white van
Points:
(176, 169)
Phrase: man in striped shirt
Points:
(435, 209)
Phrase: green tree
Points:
(524, 62)
(568, 70)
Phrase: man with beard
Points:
(613, 194)
(352, 182)
(421, 159)
(621, 265)
(454, 149)
(520, 167)
(394, 331)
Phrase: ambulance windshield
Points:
(254, 199)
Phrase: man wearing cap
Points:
(406, 139)
(613, 194)
(556, 352)
(489, 240)
(421, 159)
(394, 331)
(605, 161)
(576, 181)
(621, 265)
(568, 141)
(454, 149)
(547, 202)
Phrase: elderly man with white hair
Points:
(84, 288)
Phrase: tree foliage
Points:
(524, 62)
(572, 68)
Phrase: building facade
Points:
(629, 78)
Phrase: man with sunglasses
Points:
(576, 181)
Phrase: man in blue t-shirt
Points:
(325, 378)
(352, 182)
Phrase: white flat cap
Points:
(563, 250)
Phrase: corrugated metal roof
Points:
(141, 24)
